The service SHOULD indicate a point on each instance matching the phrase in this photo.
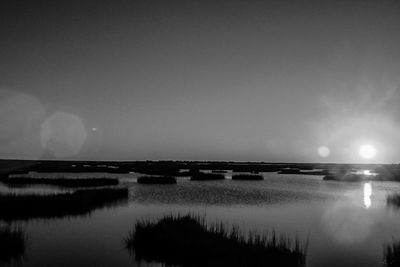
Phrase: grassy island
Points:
(247, 177)
(207, 176)
(80, 202)
(63, 182)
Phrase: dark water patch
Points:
(80, 202)
(189, 241)
(223, 192)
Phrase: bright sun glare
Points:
(367, 151)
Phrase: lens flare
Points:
(63, 134)
(324, 151)
(20, 118)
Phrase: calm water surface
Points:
(346, 224)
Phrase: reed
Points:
(12, 244)
(189, 241)
(391, 254)
(393, 200)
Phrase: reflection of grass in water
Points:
(156, 180)
(247, 177)
(391, 254)
(393, 200)
(189, 241)
(80, 202)
(65, 182)
(12, 244)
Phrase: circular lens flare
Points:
(367, 151)
(324, 151)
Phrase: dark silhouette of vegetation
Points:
(218, 171)
(345, 176)
(289, 171)
(207, 176)
(303, 172)
(3, 175)
(64, 182)
(315, 172)
(188, 241)
(388, 172)
(80, 202)
(12, 244)
(393, 200)
(247, 177)
(156, 180)
(391, 254)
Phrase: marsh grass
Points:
(63, 182)
(189, 241)
(391, 254)
(12, 244)
(156, 180)
(80, 202)
(207, 176)
(247, 177)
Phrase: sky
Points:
(272, 81)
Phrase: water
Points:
(346, 224)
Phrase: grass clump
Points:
(80, 202)
(156, 180)
(393, 200)
(207, 176)
(247, 177)
(64, 182)
(12, 244)
(391, 254)
(188, 241)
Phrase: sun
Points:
(367, 151)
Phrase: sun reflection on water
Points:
(367, 194)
